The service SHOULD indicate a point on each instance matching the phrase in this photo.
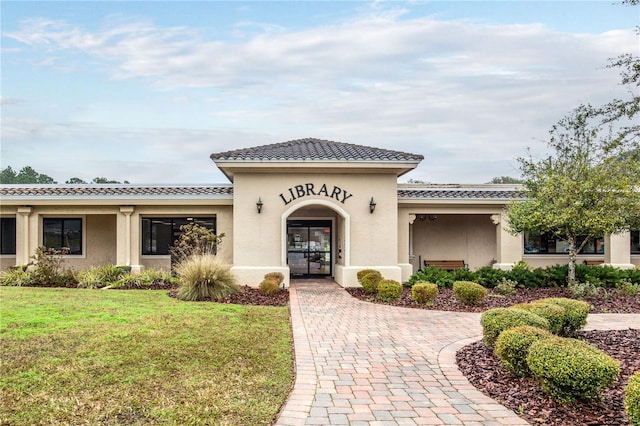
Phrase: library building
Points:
(305, 208)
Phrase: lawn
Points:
(73, 356)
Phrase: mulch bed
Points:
(524, 396)
(611, 302)
(250, 296)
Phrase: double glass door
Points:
(309, 247)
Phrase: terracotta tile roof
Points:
(311, 149)
(112, 191)
(458, 194)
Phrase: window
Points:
(159, 233)
(7, 235)
(547, 243)
(63, 233)
(635, 242)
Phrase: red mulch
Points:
(250, 296)
(611, 302)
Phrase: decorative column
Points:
(405, 220)
(125, 255)
(23, 235)
(508, 246)
(617, 250)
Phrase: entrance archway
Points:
(315, 238)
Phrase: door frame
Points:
(308, 223)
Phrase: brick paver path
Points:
(360, 363)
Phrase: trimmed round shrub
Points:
(468, 292)
(275, 276)
(575, 317)
(553, 313)
(632, 398)
(495, 321)
(269, 287)
(360, 274)
(370, 282)
(569, 369)
(389, 290)
(512, 347)
(424, 293)
(203, 276)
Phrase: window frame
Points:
(634, 235)
(83, 232)
(3, 221)
(547, 239)
(146, 242)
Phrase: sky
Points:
(146, 91)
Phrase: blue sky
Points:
(145, 91)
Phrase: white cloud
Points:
(469, 96)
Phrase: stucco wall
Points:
(471, 238)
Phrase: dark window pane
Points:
(547, 243)
(159, 234)
(63, 233)
(7, 235)
(635, 242)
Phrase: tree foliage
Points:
(24, 176)
(505, 179)
(194, 240)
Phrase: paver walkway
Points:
(359, 363)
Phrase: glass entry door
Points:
(309, 247)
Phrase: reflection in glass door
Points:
(309, 247)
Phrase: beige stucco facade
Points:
(373, 222)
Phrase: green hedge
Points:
(370, 282)
(632, 399)
(424, 293)
(512, 347)
(569, 369)
(575, 317)
(389, 290)
(495, 321)
(552, 312)
(525, 276)
(468, 292)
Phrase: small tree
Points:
(194, 240)
(586, 189)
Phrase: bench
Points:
(593, 262)
(446, 265)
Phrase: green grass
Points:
(138, 357)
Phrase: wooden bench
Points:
(446, 265)
(593, 262)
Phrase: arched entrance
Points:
(315, 239)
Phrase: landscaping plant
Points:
(495, 321)
(203, 276)
(424, 293)
(512, 347)
(569, 369)
(468, 292)
(632, 399)
(389, 290)
(370, 282)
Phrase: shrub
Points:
(194, 240)
(275, 276)
(99, 276)
(432, 274)
(15, 277)
(627, 288)
(463, 275)
(575, 317)
(389, 290)
(550, 311)
(495, 321)
(632, 399)
(489, 277)
(569, 369)
(269, 287)
(424, 293)
(360, 274)
(370, 282)
(203, 276)
(48, 268)
(524, 276)
(512, 347)
(583, 290)
(506, 287)
(468, 292)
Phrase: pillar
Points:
(617, 250)
(23, 235)
(509, 247)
